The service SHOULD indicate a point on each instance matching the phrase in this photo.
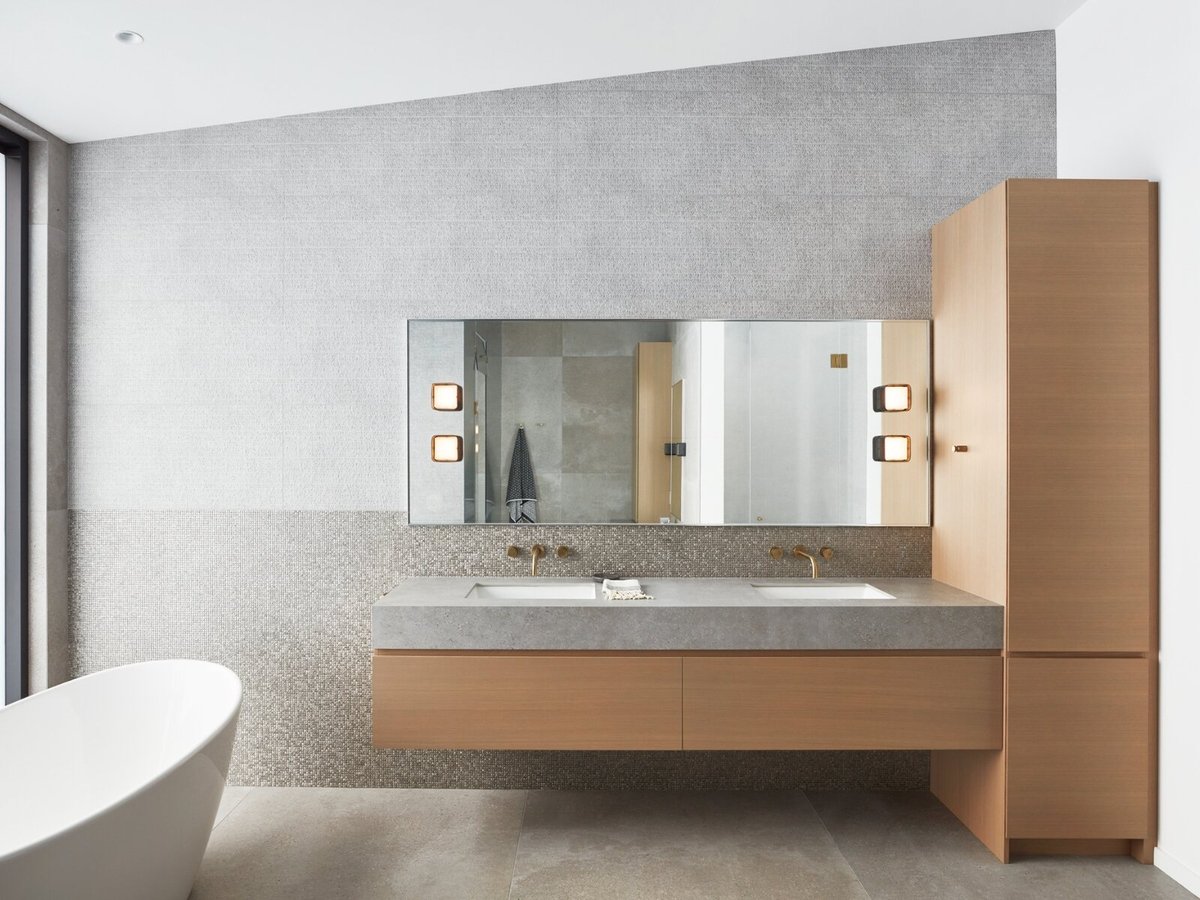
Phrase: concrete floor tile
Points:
(230, 798)
(677, 845)
(361, 843)
(907, 846)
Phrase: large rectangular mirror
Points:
(668, 422)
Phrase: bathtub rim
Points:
(185, 757)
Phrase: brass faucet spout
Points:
(799, 551)
(537, 551)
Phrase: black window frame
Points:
(14, 154)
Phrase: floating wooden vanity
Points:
(709, 664)
(1046, 375)
(599, 700)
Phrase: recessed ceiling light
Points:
(129, 37)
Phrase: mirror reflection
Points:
(669, 422)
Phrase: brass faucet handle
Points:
(776, 552)
(513, 551)
(827, 553)
(562, 551)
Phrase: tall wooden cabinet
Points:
(1045, 499)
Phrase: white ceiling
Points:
(206, 62)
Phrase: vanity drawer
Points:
(842, 702)
(526, 701)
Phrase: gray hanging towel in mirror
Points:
(521, 496)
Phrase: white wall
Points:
(1128, 77)
(699, 360)
(737, 422)
(805, 436)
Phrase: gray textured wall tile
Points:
(532, 396)
(531, 339)
(238, 300)
(608, 338)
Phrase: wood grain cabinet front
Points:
(842, 702)
(526, 701)
(1045, 319)
(1079, 748)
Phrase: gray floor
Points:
(360, 843)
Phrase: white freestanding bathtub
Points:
(109, 784)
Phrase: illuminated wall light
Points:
(892, 398)
(446, 397)
(891, 448)
(447, 448)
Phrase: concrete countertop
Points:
(685, 614)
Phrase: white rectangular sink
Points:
(818, 591)
(547, 590)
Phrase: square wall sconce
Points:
(446, 448)
(446, 397)
(892, 398)
(891, 448)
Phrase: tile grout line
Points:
(836, 845)
(225, 817)
(517, 846)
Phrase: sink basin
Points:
(546, 590)
(820, 591)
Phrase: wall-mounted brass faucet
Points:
(537, 551)
(800, 552)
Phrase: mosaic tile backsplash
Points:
(238, 304)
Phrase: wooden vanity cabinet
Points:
(886, 702)
(526, 701)
(1045, 500)
(588, 700)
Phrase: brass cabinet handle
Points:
(960, 448)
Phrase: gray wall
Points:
(437, 356)
(237, 371)
(571, 385)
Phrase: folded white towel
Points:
(623, 589)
